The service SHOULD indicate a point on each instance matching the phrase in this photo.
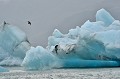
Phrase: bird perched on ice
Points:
(56, 48)
(29, 22)
(4, 24)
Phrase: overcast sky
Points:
(47, 15)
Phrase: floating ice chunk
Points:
(13, 43)
(103, 15)
(2, 69)
(91, 41)
(39, 58)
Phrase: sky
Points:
(47, 15)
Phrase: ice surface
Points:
(2, 69)
(91, 45)
(13, 45)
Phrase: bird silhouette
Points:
(56, 48)
(29, 22)
(5, 23)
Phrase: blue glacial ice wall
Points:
(13, 45)
(94, 44)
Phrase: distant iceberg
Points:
(94, 44)
(13, 45)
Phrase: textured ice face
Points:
(13, 45)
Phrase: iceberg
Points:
(91, 41)
(94, 44)
(13, 45)
(78, 63)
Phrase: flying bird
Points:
(29, 22)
